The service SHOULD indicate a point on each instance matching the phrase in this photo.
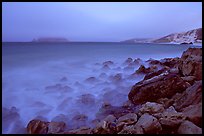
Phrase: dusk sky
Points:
(99, 21)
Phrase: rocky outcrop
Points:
(142, 69)
(191, 63)
(164, 85)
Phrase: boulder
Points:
(86, 99)
(170, 62)
(194, 114)
(56, 127)
(161, 86)
(149, 124)
(151, 108)
(129, 119)
(106, 68)
(37, 127)
(170, 118)
(128, 61)
(189, 79)
(156, 73)
(192, 95)
(191, 63)
(131, 129)
(188, 127)
(91, 80)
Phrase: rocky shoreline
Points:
(166, 101)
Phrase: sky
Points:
(97, 21)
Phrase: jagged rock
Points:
(116, 78)
(194, 113)
(170, 62)
(153, 62)
(188, 127)
(191, 63)
(56, 127)
(151, 108)
(191, 96)
(164, 85)
(149, 124)
(144, 70)
(128, 61)
(37, 127)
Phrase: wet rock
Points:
(108, 63)
(191, 63)
(144, 70)
(128, 61)
(151, 108)
(188, 127)
(116, 78)
(79, 121)
(191, 96)
(58, 88)
(194, 114)
(149, 124)
(91, 80)
(37, 127)
(103, 75)
(164, 85)
(60, 118)
(86, 99)
(63, 79)
(128, 104)
(56, 127)
(154, 62)
(106, 68)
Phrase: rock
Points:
(128, 104)
(189, 79)
(151, 108)
(108, 63)
(170, 62)
(188, 127)
(116, 78)
(37, 127)
(128, 61)
(144, 70)
(164, 85)
(81, 130)
(56, 127)
(63, 79)
(132, 129)
(106, 126)
(194, 114)
(86, 99)
(156, 73)
(106, 68)
(153, 62)
(191, 63)
(58, 87)
(79, 121)
(103, 75)
(91, 80)
(128, 119)
(149, 124)
(191, 96)
(170, 118)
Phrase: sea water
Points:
(56, 81)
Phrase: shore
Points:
(167, 100)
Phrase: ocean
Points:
(54, 81)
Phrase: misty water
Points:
(57, 81)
